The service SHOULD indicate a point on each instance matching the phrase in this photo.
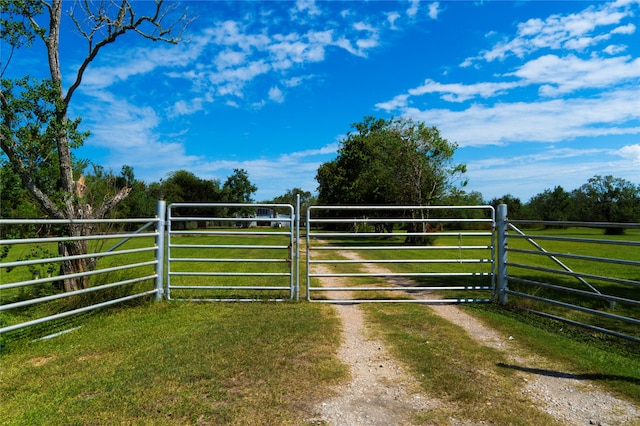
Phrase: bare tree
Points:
(35, 125)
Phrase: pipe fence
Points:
(111, 264)
(571, 272)
(564, 271)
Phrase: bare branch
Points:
(100, 21)
(111, 203)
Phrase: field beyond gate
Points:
(233, 252)
(434, 250)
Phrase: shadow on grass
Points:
(565, 375)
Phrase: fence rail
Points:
(137, 272)
(594, 286)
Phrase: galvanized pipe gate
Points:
(388, 254)
(238, 252)
(251, 252)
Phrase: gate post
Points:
(501, 253)
(297, 251)
(161, 213)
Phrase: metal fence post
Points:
(161, 213)
(501, 252)
(297, 252)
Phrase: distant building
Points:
(268, 216)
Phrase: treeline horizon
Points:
(600, 199)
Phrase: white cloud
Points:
(567, 74)
(532, 174)
(630, 152)
(462, 92)
(413, 8)
(276, 95)
(434, 10)
(540, 121)
(399, 102)
(614, 49)
(275, 174)
(392, 17)
(573, 31)
(625, 29)
(305, 7)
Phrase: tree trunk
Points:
(415, 227)
(76, 248)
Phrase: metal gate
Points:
(434, 254)
(233, 252)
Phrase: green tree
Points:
(289, 197)
(395, 161)
(550, 205)
(183, 186)
(238, 188)
(392, 162)
(514, 205)
(35, 127)
(609, 199)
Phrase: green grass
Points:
(176, 363)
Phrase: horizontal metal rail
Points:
(403, 234)
(228, 246)
(404, 289)
(417, 261)
(404, 274)
(77, 275)
(579, 240)
(427, 248)
(587, 326)
(74, 293)
(74, 257)
(229, 274)
(577, 307)
(577, 224)
(229, 287)
(78, 238)
(601, 296)
(226, 260)
(575, 274)
(241, 233)
(422, 301)
(76, 311)
(322, 241)
(72, 221)
(398, 220)
(576, 256)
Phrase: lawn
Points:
(176, 363)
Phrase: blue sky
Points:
(536, 94)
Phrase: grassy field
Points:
(176, 363)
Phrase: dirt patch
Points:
(40, 361)
(381, 392)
